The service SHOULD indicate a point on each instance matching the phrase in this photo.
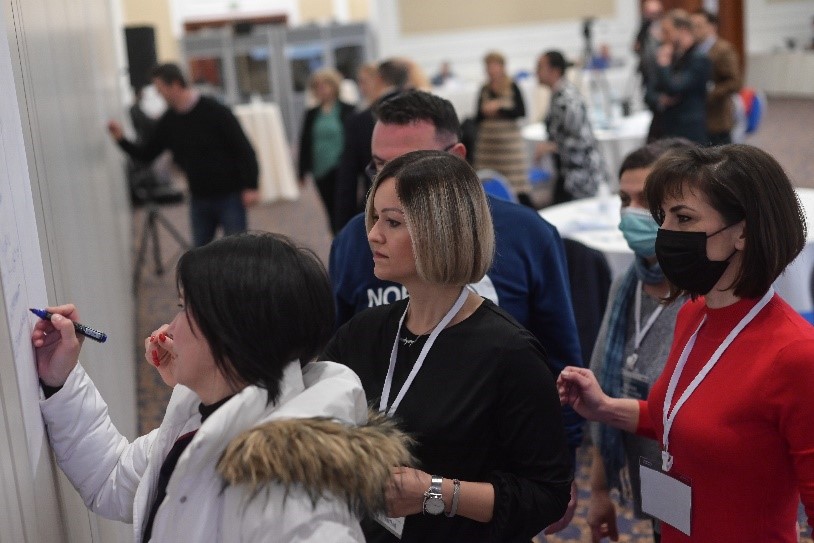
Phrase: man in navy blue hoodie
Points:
(529, 276)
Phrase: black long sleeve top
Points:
(482, 408)
(208, 144)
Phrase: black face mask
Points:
(683, 259)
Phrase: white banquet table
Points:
(594, 222)
(263, 125)
(616, 139)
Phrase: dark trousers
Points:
(326, 185)
(206, 214)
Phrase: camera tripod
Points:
(150, 233)
(599, 91)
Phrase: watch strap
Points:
(456, 493)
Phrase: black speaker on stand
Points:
(141, 55)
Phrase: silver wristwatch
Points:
(433, 501)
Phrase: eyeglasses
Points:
(371, 170)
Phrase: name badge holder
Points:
(395, 525)
(670, 499)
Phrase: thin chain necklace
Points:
(409, 342)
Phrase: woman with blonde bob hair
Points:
(322, 138)
(457, 372)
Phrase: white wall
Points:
(521, 44)
(66, 57)
(768, 24)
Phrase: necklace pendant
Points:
(407, 342)
(631, 360)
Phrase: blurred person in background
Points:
(209, 145)
(366, 81)
(681, 81)
(352, 184)
(726, 76)
(323, 138)
(580, 168)
(499, 145)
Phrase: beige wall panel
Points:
(358, 10)
(316, 10)
(427, 16)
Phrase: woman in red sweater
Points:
(734, 408)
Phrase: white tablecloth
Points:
(263, 125)
(594, 222)
(616, 139)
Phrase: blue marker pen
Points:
(95, 335)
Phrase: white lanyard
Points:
(669, 416)
(388, 380)
(640, 332)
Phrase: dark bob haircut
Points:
(260, 302)
(647, 155)
(742, 183)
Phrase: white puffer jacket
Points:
(117, 479)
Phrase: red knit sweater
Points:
(745, 438)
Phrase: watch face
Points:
(433, 505)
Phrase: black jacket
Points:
(306, 160)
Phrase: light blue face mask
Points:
(639, 229)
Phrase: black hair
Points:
(647, 155)
(557, 61)
(168, 73)
(260, 302)
(415, 105)
(742, 183)
(393, 72)
(708, 15)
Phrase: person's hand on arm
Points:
(664, 55)
(566, 519)
(158, 350)
(579, 388)
(56, 345)
(601, 509)
(490, 108)
(115, 130)
(405, 495)
(544, 148)
(250, 197)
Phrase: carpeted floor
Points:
(785, 133)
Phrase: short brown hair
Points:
(168, 73)
(446, 213)
(742, 183)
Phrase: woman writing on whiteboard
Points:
(457, 372)
(256, 443)
(732, 409)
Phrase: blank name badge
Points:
(665, 497)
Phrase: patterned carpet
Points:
(785, 133)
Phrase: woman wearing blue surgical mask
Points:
(733, 407)
(632, 345)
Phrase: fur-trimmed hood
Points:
(322, 455)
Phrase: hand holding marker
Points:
(95, 335)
